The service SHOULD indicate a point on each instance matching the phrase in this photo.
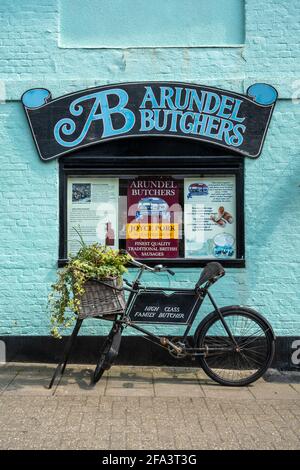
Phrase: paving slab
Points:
(116, 378)
(176, 382)
(276, 391)
(128, 382)
(227, 393)
(177, 388)
(6, 377)
(134, 392)
(77, 381)
(296, 387)
(33, 383)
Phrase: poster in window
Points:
(210, 217)
(92, 211)
(152, 229)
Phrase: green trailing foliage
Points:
(91, 262)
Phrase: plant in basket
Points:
(76, 292)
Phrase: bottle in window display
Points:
(110, 235)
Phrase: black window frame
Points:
(83, 164)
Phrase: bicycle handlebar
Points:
(156, 269)
(136, 263)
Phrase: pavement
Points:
(145, 408)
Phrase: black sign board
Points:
(224, 118)
(161, 307)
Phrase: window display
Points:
(173, 217)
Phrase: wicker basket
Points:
(99, 300)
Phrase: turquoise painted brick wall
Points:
(30, 57)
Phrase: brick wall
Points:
(30, 57)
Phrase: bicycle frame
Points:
(199, 293)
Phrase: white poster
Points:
(210, 217)
(92, 211)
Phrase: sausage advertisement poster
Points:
(152, 227)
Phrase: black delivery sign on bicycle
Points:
(162, 307)
(224, 118)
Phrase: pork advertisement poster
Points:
(152, 227)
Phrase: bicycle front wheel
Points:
(240, 359)
(102, 365)
(109, 352)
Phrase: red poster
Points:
(152, 229)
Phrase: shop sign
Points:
(231, 120)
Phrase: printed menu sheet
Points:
(210, 217)
(92, 211)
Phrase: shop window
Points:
(179, 217)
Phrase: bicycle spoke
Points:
(247, 342)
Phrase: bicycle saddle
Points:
(211, 271)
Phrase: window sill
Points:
(182, 263)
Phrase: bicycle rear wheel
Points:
(243, 362)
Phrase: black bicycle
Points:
(234, 345)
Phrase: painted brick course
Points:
(30, 57)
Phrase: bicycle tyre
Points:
(102, 364)
(261, 357)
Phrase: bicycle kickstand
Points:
(62, 364)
